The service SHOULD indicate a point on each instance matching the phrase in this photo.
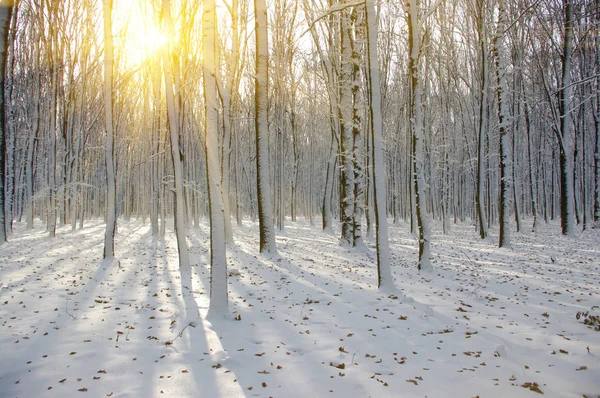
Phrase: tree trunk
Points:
(566, 155)
(345, 112)
(418, 134)
(111, 194)
(501, 107)
(482, 127)
(218, 260)
(5, 15)
(261, 125)
(176, 152)
(384, 273)
(532, 179)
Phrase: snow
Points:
(311, 322)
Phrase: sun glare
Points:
(143, 36)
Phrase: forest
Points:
(260, 197)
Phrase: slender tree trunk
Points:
(505, 161)
(218, 260)
(596, 124)
(384, 273)
(596, 113)
(418, 134)
(345, 112)
(111, 194)
(483, 122)
(261, 125)
(515, 128)
(532, 179)
(35, 125)
(176, 152)
(329, 177)
(566, 155)
(5, 15)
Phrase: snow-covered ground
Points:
(486, 322)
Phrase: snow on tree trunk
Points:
(225, 95)
(261, 125)
(515, 147)
(418, 132)
(225, 175)
(532, 179)
(502, 109)
(232, 81)
(483, 122)
(111, 195)
(156, 185)
(345, 110)
(29, 165)
(51, 216)
(172, 111)
(328, 191)
(357, 149)
(218, 260)
(597, 152)
(566, 154)
(384, 273)
(29, 178)
(5, 14)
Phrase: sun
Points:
(154, 40)
(143, 37)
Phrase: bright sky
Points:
(143, 34)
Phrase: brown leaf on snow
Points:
(532, 386)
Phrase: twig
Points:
(180, 334)
(67, 310)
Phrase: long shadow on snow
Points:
(279, 278)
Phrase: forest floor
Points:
(486, 322)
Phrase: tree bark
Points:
(111, 194)
(176, 152)
(261, 125)
(384, 273)
(218, 260)
(5, 15)
(415, 44)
